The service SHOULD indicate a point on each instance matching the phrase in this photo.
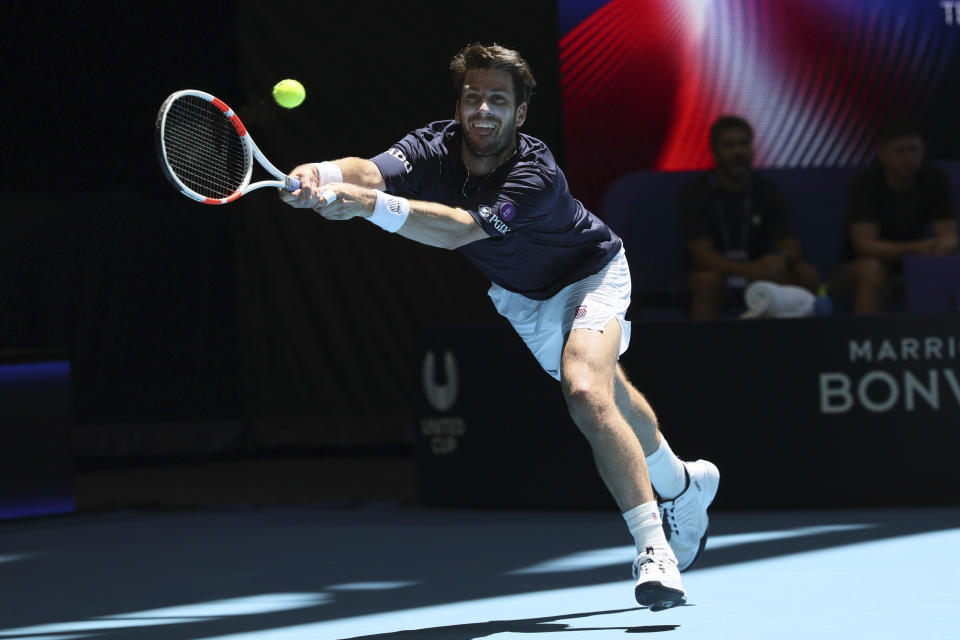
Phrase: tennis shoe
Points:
(685, 521)
(657, 579)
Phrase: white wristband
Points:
(390, 211)
(328, 172)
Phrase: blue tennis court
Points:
(386, 571)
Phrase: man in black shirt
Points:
(889, 206)
(736, 225)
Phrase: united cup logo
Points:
(441, 433)
(440, 396)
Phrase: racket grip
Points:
(292, 184)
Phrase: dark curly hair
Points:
(480, 56)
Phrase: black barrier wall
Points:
(839, 412)
(247, 326)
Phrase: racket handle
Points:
(292, 184)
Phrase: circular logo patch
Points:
(507, 211)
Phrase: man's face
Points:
(733, 152)
(902, 157)
(488, 111)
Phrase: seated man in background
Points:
(889, 206)
(737, 226)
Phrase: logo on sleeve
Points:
(399, 155)
(487, 214)
(507, 211)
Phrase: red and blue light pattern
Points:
(643, 79)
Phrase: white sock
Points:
(645, 526)
(667, 475)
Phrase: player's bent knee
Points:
(587, 402)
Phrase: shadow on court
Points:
(71, 571)
(529, 625)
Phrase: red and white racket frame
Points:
(250, 149)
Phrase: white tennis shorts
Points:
(586, 304)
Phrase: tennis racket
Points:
(207, 153)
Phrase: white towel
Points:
(770, 300)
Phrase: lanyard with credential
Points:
(722, 218)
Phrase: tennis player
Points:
(559, 275)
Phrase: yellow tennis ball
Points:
(289, 93)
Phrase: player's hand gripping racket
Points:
(207, 153)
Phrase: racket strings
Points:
(203, 149)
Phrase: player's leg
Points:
(583, 326)
(588, 371)
(638, 412)
(588, 367)
(667, 473)
(686, 489)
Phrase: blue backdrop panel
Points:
(36, 462)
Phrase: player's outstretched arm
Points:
(440, 226)
(361, 172)
(313, 176)
(316, 176)
(430, 223)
